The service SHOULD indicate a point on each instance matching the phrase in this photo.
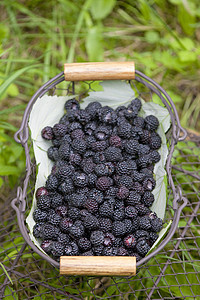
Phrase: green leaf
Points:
(94, 44)
(10, 294)
(15, 75)
(152, 37)
(114, 94)
(101, 8)
(186, 19)
(8, 170)
(187, 56)
(13, 90)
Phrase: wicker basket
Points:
(88, 73)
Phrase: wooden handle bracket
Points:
(99, 71)
(98, 265)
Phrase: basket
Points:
(81, 76)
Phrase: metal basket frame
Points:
(178, 134)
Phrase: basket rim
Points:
(22, 135)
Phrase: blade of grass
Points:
(5, 271)
(15, 75)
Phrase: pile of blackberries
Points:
(97, 199)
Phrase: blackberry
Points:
(99, 157)
(47, 133)
(125, 181)
(46, 246)
(138, 176)
(89, 154)
(63, 238)
(61, 211)
(108, 239)
(84, 244)
(79, 145)
(115, 141)
(83, 117)
(64, 151)
(71, 249)
(118, 214)
(88, 253)
(145, 137)
(106, 210)
(101, 170)
(74, 213)
(130, 212)
(64, 171)
(117, 242)
(105, 224)
(97, 238)
(149, 184)
(135, 224)
(144, 223)
(129, 241)
(143, 149)
(41, 191)
(128, 226)
(124, 130)
(122, 251)
(99, 146)
(155, 141)
(49, 232)
(103, 183)
(147, 172)
(123, 168)
(54, 219)
(74, 125)
(90, 140)
(59, 130)
(123, 192)
(107, 115)
(80, 179)
(132, 164)
(90, 128)
(151, 123)
(87, 165)
(56, 200)
(156, 224)
(77, 134)
(111, 192)
(118, 228)
(64, 119)
(75, 159)
(92, 178)
(132, 147)
(76, 232)
(148, 199)
(44, 202)
(118, 204)
(136, 103)
(98, 250)
(96, 195)
(65, 224)
(39, 215)
(155, 156)
(93, 108)
(66, 139)
(53, 153)
(72, 104)
(138, 122)
(102, 133)
(141, 234)
(57, 249)
(78, 200)
(144, 161)
(91, 222)
(133, 198)
(142, 210)
(109, 251)
(37, 228)
(91, 205)
(138, 188)
(153, 238)
(142, 247)
(113, 154)
(66, 187)
(72, 115)
(130, 112)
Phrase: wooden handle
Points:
(99, 71)
(98, 265)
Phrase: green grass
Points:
(38, 37)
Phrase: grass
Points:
(38, 37)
